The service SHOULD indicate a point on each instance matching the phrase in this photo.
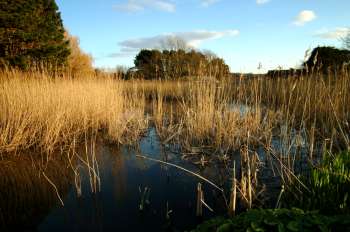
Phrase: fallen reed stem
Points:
(188, 171)
(54, 186)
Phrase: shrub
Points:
(328, 187)
(277, 220)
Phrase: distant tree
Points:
(171, 64)
(218, 68)
(32, 33)
(174, 43)
(346, 41)
(327, 58)
(209, 55)
(149, 63)
(79, 63)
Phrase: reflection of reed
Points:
(25, 195)
(119, 173)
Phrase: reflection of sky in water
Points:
(116, 207)
(122, 174)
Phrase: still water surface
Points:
(28, 202)
(116, 207)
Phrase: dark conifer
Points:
(32, 34)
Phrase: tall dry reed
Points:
(45, 113)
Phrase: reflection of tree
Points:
(119, 173)
(26, 197)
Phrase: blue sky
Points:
(243, 32)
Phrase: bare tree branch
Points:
(346, 41)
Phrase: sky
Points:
(245, 33)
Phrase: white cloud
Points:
(191, 39)
(337, 33)
(140, 5)
(261, 2)
(207, 3)
(303, 17)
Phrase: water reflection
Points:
(29, 202)
(26, 196)
(123, 175)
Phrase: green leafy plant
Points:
(260, 220)
(328, 187)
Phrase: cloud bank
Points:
(140, 5)
(304, 17)
(336, 33)
(191, 39)
(132, 6)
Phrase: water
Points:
(28, 202)
(116, 205)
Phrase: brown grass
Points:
(312, 108)
(204, 116)
(317, 103)
(293, 119)
(46, 114)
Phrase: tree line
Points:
(328, 59)
(172, 64)
(323, 59)
(32, 35)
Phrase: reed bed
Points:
(317, 103)
(304, 111)
(46, 114)
(292, 120)
(208, 116)
(211, 118)
(151, 89)
(289, 119)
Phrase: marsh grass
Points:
(46, 114)
(316, 103)
(207, 116)
(294, 120)
(290, 119)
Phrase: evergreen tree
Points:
(32, 34)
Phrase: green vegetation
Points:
(328, 59)
(325, 191)
(328, 187)
(172, 64)
(31, 34)
(280, 220)
(212, 117)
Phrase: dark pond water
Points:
(116, 207)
